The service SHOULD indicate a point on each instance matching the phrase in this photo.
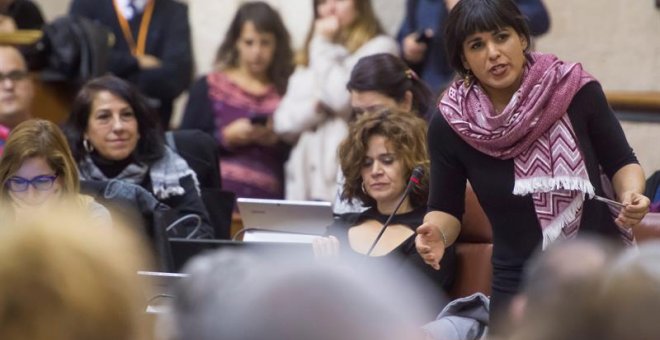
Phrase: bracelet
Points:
(444, 238)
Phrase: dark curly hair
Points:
(405, 132)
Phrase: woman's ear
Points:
(466, 66)
(524, 43)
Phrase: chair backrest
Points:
(200, 152)
(474, 249)
(648, 228)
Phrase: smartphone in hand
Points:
(259, 120)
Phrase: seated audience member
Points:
(19, 14)
(113, 135)
(38, 175)
(236, 102)
(621, 302)
(378, 158)
(63, 278)
(382, 81)
(152, 48)
(292, 301)
(16, 88)
(630, 297)
(566, 275)
(314, 112)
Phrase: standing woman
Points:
(235, 102)
(38, 174)
(531, 133)
(114, 135)
(314, 112)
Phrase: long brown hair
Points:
(365, 27)
(265, 20)
(405, 132)
(38, 138)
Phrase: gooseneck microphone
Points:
(414, 180)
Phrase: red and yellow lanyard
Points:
(139, 48)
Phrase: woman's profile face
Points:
(112, 128)
(363, 101)
(382, 171)
(343, 10)
(496, 59)
(255, 49)
(34, 184)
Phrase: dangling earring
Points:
(364, 190)
(88, 146)
(467, 79)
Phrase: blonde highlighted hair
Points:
(38, 138)
(364, 28)
(66, 278)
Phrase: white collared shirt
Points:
(127, 11)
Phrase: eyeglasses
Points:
(40, 183)
(14, 76)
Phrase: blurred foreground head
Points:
(233, 296)
(64, 278)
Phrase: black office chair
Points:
(201, 153)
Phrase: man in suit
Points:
(152, 48)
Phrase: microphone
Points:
(414, 180)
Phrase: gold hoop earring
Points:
(467, 79)
(364, 190)
(88, 146)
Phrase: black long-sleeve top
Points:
(405, 255)
(516, 230)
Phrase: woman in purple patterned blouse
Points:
(235, 102)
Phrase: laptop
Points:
(185, 249)
(283, 216)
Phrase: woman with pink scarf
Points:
(536, 139)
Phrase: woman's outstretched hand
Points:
(430, 244)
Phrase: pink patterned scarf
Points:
(534, 130)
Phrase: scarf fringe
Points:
(546, 184)
(554, 229)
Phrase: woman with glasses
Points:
(37, 173)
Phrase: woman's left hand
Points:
(636, 207)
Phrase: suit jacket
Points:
(168, 39)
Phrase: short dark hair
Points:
(390, 76)
(407, 135)
(472, 16)
(265, 20)
(151, 145)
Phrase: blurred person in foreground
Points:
(288, 298)
(63, 278)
